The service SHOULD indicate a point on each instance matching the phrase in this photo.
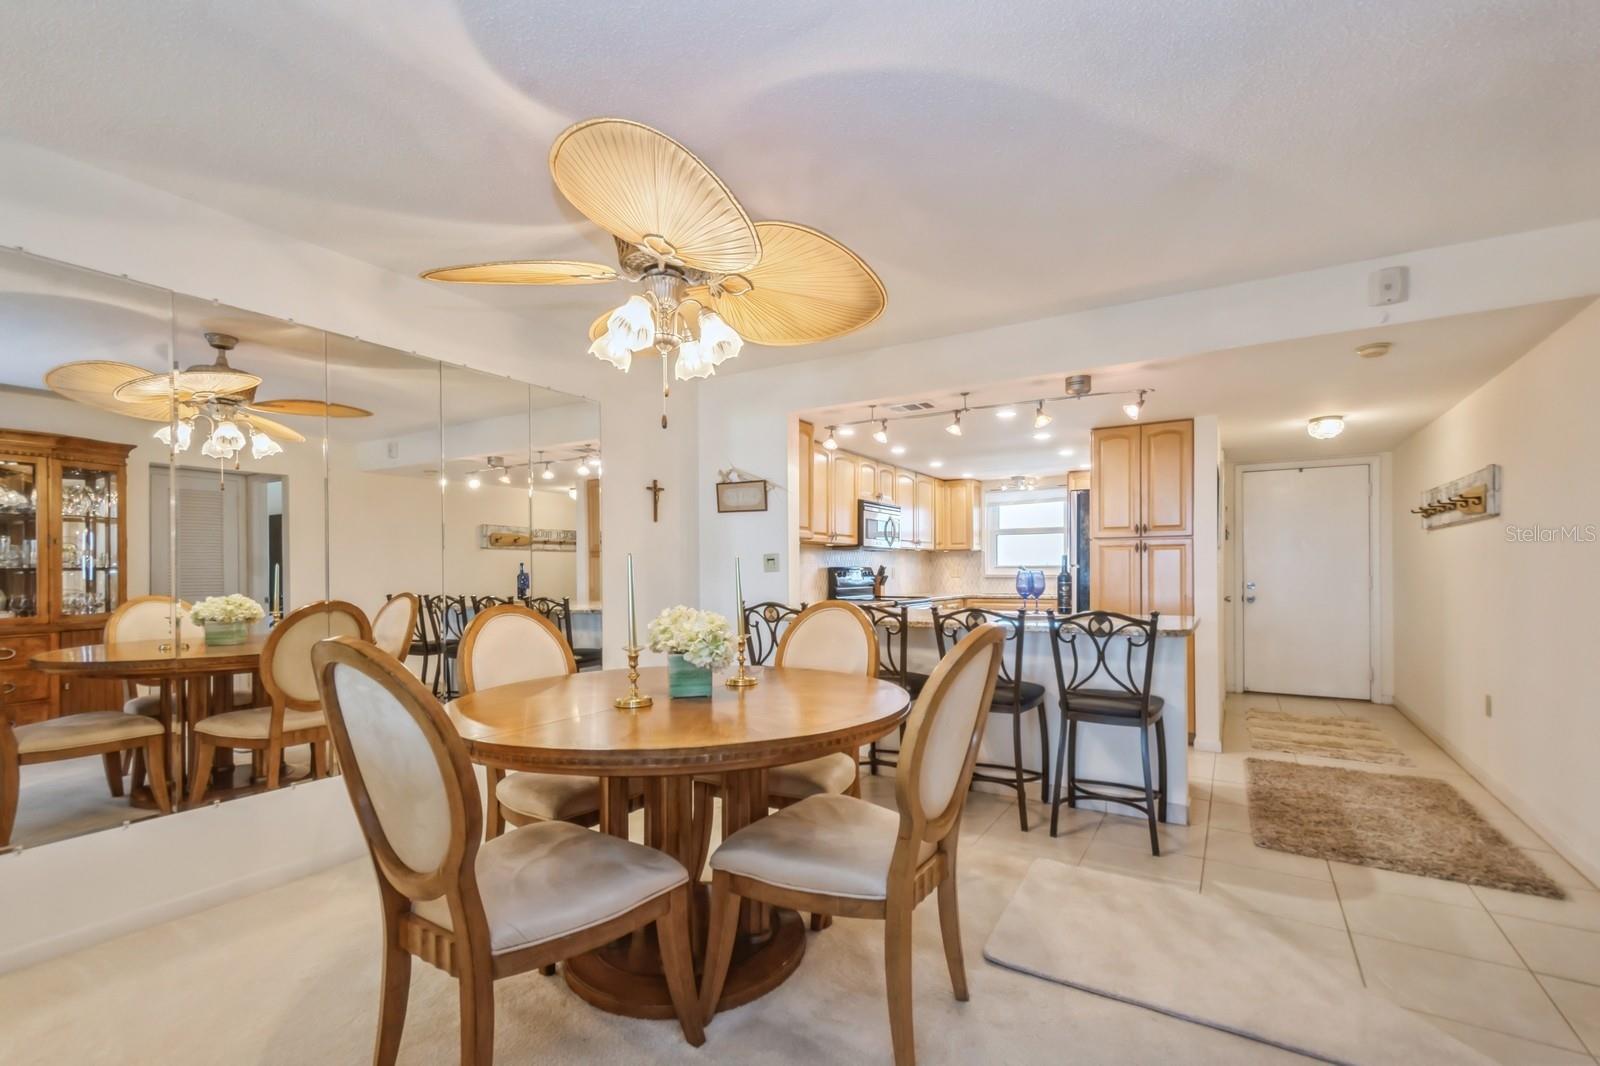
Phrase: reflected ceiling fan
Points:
(712, 278)
(221, 396)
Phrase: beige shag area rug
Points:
(1413, 825)
(1192, 957)
(1328, 735)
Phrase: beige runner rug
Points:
(1331, 736)
(1414, 825)
(1189, 956)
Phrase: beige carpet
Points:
(290, 977)
(1415, 825)
(1330, 735)
(1189, 956)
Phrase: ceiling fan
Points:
(217, 393)
(712, 279)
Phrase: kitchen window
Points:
(1025, 529)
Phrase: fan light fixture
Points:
(1133, 408)
(830, 443)
(1325, 427)
(1040, 418)
(712, 279)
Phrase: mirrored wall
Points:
(160, 453)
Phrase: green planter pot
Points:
(226, 633)
(687, 681)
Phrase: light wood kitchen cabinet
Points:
(845, 469)
(1166, 477)
(905, 497)
(1133, 576)
(806, 436)
(1168, 576)
(957, 524)
(1115, 576)
(886, 483)
(821, 493)
(1143, 480)
(866, 478)
(925, 519)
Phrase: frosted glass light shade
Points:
(718, 339)
(692, 362)
(262, 446)
(1325, 427)
(633, 324)
(617, 354)
(185, 435)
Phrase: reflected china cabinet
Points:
(63, 558)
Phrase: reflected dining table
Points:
(569, 725)
(193, 676)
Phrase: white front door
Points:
(1306, 581)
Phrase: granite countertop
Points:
(1171, 625)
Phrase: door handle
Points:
(1249, 599)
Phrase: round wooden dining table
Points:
(193, 676)
(570, 725)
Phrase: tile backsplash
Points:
(913, 573)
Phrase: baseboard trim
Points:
(1203, 744)
(1507, 795)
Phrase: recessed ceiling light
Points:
(1006, 412)
(936, 463)
(1325, 427)
(1043, 434)
(1064, 452)
(474, 481)
(898, 449)
(967, 474)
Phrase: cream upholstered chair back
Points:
(286, 670)
(830, 635)
(151, 618)
(512, 643)
(395, 625)
(406, 769)
(942, 734)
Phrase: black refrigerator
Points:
(1078, 515)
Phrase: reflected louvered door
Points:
(210, 535)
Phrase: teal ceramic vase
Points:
(685, 680)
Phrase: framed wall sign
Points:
(735, 496)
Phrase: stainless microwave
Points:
(879, 525)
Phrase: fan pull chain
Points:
(666, 390)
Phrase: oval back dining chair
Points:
(502, 646)
(294, 714)
(148, 618)
(842, 855)
(828, 635)
(395, 624)
(1014, 695)
(1105, 688)
(478, 911)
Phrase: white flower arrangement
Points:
(703, 638)
(234, 608)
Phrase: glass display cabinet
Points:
(62, 559)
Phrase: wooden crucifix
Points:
(655, 490)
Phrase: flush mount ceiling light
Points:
(711, 278)
(1375, 350)
(1040, 418)
(1133, 408)
(1325, 427)
(222, 397)
(830, 443)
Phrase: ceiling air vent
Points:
(911, 408)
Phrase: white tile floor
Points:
(1517, 977)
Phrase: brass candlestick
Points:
(634, 699)
(742, 679)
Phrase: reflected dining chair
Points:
(1104, 688)
(479, 910)
(146, 618)
(1013, 695)
(559, 612)
(294, 714)
(846, 856)
(504, 645)
(394, 625)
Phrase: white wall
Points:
(1479, 615)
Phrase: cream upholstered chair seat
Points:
(836, 845)
(84, 730)
(553, 878)
(549, 797)
(146, 704)
(830, 773)
(254, 723)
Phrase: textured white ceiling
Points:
(993, 162)
(1262, 396)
